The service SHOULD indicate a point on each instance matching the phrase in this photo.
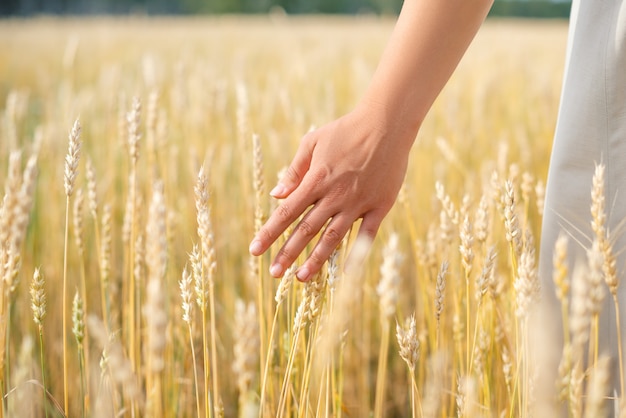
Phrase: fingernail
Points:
(255, 247)
(278, 190)
(303, 274)
(276, 270)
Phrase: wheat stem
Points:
(38, 304)
(268, 360)
(43, 370)
(382, 370)
(64, 307)
(195, 371)
(299, 323)
(216, 404)
(619, 348)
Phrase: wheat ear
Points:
(38, 304)
(315, 291)
(603, 235)
(78, 329)
(186, 294)
(440, 288)
(409, 351)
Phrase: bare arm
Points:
(337, 168)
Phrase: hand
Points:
(349, 169)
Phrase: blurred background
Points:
(513, 8)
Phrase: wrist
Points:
(389, 122)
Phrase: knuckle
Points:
(284, 254)
(284, 212)
(319, 176)
(308, 137)
(332, 236)
(370, 231)
(292, 175)
(306, 229)
(316, 259)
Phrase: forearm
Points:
(427, 43)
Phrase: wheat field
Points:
(136, 155)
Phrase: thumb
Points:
(297, 169)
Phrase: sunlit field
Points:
(136, 157)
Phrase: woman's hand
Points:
(353, 167)
(349, 169)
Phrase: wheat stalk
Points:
(481, 221)
(19, 223)
(314, 291)
(105, 263)
(603, 236)
(409, 351)
(281, 294)
(565, 373)
(596, 293)
(245, 353)
(10, 202)
(38, 305)
(298, 324)
(580, 315)
(78, 329)
(486, 275)
(482, 284)
(526, 188)
(598, 389)
(71, 170)
(440, 288)
(540, 193)
(152, 119)
(72, 158)
(154, 310)
(14, 218)
(115, 363)
(186, 295)
(434, 385)
(511, 223)
(527, 292)
(526, 283)
(387, 291)
(259, 219)
(133, 119)
(467, 257)
(205, 287)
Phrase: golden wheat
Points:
(464, 227)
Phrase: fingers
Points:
(297, 169)
(371, 223)
(302, 234)
(330, 239)
(334, 232)
(362, 244)
(284, 215)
